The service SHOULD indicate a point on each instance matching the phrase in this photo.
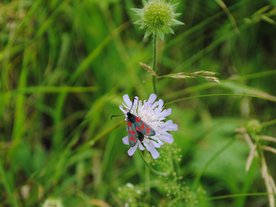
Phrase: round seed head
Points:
(157, 17)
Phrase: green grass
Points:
(64, 67)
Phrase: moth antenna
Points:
(132, 104)
(116, 115)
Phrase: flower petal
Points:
(132, 150)
(158, 103)
(141, 147)
(127, 100)
(154, 153)
(166, 112)
(169, 126)
(125, 140)
(166, 137)
(152, 98)
(156, 144)
(159, 141)
(122, 109)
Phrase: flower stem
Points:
(207, 164)
(154, 62)
(147, 181)
(269, 123)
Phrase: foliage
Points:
(64, 68)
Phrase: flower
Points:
(157, 17)
(152, 113)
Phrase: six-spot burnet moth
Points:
(137, 128)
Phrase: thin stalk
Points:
(238, 195)
(269, 123)
(207, 164)
(147, 180)
(154, 62)
(8, 188)
(265, 124)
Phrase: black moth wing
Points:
(143, 127)
(132, 134)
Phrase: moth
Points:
(137, 128)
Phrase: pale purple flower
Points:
(151, 112)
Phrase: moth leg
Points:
(153, 140)
(141, 138)
(143, 144)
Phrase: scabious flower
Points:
(151, 112)
(157, 17)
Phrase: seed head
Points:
(157, 17)
(254, 126)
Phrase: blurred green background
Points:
(64, 67)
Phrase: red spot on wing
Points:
(129, 123)
(142, 126)
(132, 139)
(131, 132)
(148, 130)
(137, 119)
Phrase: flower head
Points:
(153, 114)
(157, 17)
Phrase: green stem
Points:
(207, 164)
(9, 190)
(265, 124)
(154, 63)
(147, 180)
(238, 195)
(268, 123)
